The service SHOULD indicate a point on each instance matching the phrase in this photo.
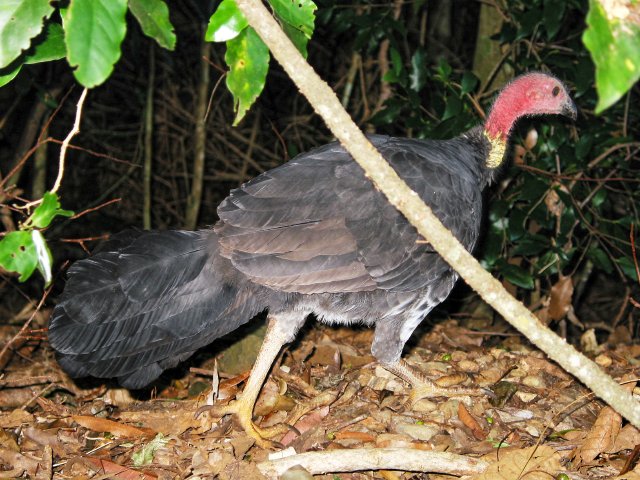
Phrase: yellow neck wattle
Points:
(496, 154)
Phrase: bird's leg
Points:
(423, 387)
(281, 329)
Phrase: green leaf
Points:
(532, 244)
(20, 21)
(18, 254)
(453, 107)
(628, 267)
(7, 77)
(226, 22)
(600, 259)
(94, 31)
(469, 82)
(43, 255)
(300, 14)
(614, 43)
(153, 17)
(552, 14)
(396, 62)
(145, 455)
(51, 48)
(46, 211)
(297, 38)
(248, 60)
(517, 275)
(444, 70)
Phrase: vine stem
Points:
(65, 144)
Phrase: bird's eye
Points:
(555, 91)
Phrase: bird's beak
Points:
(569, 109)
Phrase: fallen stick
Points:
(358, 459)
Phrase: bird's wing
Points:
(317, 225)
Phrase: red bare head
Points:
(531, 94)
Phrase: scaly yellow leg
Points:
(279, 332)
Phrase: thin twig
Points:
(74, 131)
(22, 330)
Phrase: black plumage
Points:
(311, 236)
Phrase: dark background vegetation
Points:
(559, 223)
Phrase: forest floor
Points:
(535, 422)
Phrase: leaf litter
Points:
(335, 398)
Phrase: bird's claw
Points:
(243, 413)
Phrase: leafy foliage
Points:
(25, 250)
(95, 30)
(248, 60)
(20, 21)
(561, 212)
(90, 36)
(613, 38)
(153, 17)
(247, 56)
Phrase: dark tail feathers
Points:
(146, 302)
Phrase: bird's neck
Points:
(506, 110)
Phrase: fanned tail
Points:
(146, 302)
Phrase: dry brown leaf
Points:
(601, 437)
(327, 355)
(272, 398)
(170, 421)
(15, 418)
(206, 463)
(241, 469)
(306, 423)
(628, 438)
(553, 203)
(14, 464)
(470, 421)
(52, 408)
(561, 296)
(7, 441)
(363, 437)
(451, 380)
(48, 438)
(633, 475)
(535, 365)
(533, 463)
(98, 424)
(114, 470)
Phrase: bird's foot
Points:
(425, 388)
(243, 412)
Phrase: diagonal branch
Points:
(327, 105)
